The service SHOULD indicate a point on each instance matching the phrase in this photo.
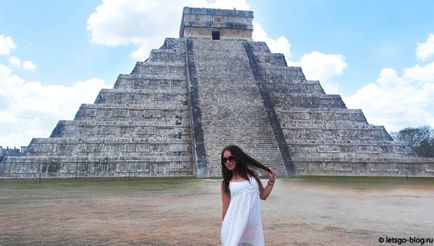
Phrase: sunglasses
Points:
(230, 158)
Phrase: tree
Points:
(421, 140)
(426, 148)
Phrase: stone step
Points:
(259, 47)
(116, 150)
(150, 115)
(347, 142)
(355, 149)
(412, 166)
(92, 166)
(291, 100)
(137, 81)
(136, 132)
(166, 56)
(320, 114)
(282, 88)
(133, 107)
(332, 124)
(119, 128)
(159, 68)
(229, 135)
(362, 159)
(146, 91)
(276, 73)
(274, 59)
(337, 134)
(302, 147)
(152, 148)
(122, 96)
(162, 64)
(175, 44)
(107, 140)
(127, 122)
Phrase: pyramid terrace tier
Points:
(172, 51)
(411, 166)
(366, 154)
(291, 100)
(273, 59)
(151, 82)
(142, 96)
(92, 166)
(332, 124)
(160, 68)
(110, 146)
(299, 148)
(166, 56)
(260, 48)
(336, 134)
(273, 72)
(119, 128)
(289, 114)
(282, 88)
(151, 113)
(176, 44)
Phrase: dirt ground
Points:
(189, 213)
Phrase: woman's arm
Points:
(264, 192)
(225, 201)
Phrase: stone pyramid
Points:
(211, 87)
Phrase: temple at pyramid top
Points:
(216, 24)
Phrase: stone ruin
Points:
(211, 87)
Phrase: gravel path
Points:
(297, 213)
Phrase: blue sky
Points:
(55, 55)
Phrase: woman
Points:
(241, 191)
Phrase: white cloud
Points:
(397, 101)
(144, 24)
(425, 51)
(278, 45)
(15, 61)
(140, 23)
(323, 67)
(320, 66)
(28, 65)
(30, 109)
(4, 71)
(6, 45)
(420, 73)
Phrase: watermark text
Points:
(405, 240)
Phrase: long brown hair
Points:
(243, 162)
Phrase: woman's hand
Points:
(272, 175)
(265, 191)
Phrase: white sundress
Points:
(242, 224)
